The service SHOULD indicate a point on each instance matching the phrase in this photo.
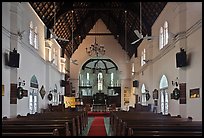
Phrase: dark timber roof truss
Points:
(87, 13)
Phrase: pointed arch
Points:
(34, 82)
(163, 82)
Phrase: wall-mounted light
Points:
(63, 60)
(48, 44)
(21, 82)
(175, 83)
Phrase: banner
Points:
(69, 102)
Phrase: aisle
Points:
(97, 127)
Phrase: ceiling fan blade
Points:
(52, 32)
(149, 37)
(139, 35)
(62, 39)
(136, 41)
(55, 37)
(74, 61)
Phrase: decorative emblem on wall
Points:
(147, 96)
(42, 92)
(176, 93)
(19, 92)
(49, 96)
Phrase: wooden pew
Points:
(148, 121)
(62, 125)
(80, 118)
(55, 132)
(131, 132)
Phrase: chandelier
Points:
(95, 49)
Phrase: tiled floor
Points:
(90, 120)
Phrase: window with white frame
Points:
(36, 38)
(166, 37)
(161, 38)
(33, 95)
(111, 79)
(144, 100)
(55, 95)
(33, 100)
(88, 78)
(143, 57)
(63, 60)
(133, 69)
(163, 35)
(31, 33)
(54, 56)
(100, 81)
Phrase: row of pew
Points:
(152, 124)
(46, 124)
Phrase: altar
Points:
(99, 102)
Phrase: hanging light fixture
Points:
(96, 49)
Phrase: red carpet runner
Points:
(97, 127)
(107, 114)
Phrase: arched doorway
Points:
(163, 86)
(143, 96)
(33, 95)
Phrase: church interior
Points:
(101, 68)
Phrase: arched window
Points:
(31, 32)
(161, 38)
(55, 56)
(100, 81)
(166, 37)
(143, 92)
(133, 69)
(36, 38)
(163, 35)
(143, 57)
(164, 95)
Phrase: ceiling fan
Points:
(52, 31)
(139, 34)
(74, 61)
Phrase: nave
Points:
(65, 64)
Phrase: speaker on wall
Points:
(62, 83)
(135, 83)
(181, 60)
(14, 58)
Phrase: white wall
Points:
(5, 69)
(32, 61)
(184, 18)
